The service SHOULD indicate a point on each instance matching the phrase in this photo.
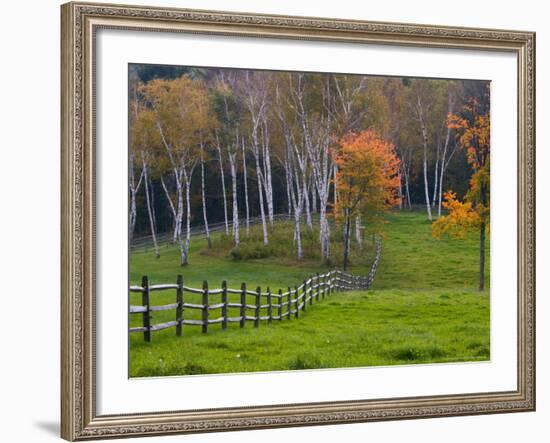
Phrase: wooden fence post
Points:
(243, 305)
(258, 303)
(318, 288)
(204, 307)
(296, 302)
(280, 308)
(145, 301)
(329, 288)
(269, 306)
(224, 307)
(324, 286)
(305, 296)
(289, 301)
(179, 301)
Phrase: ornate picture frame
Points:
(80, 23)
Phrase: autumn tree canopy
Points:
(367, 180)
(472, 128)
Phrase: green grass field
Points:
(424, 307)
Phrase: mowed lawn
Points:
(424, 307)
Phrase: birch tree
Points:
(178, 106)
(133, 187)
(293, 157)
(133, 184)
(402, 135)
(266, 175)
(423, 102)
(222, 175)
(145, 142)
(203, 198)
(297, 198)
(207, 123)
(229, 110)
(254, 92)
(245, 185)
(431, 101)
(447, 154)
(419, 109)
(150, 210)
(295, 161)
(316, 125)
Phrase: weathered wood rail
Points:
(275, 306)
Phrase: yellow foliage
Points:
(462, 217)
(473, 134)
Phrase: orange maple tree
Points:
(472, 128)
(367, 179)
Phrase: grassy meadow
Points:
(424, 306)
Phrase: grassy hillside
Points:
(424, 307)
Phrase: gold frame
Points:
(79, 22)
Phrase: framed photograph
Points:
(284, 221)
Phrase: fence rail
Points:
(167, 238)
(275, 305)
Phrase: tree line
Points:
(225, 145)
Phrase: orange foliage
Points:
(473, 133)
(367, 178)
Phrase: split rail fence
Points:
(274, 305)
(167, 238)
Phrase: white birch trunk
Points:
(358, 234)
(436, 179)
(185, 249)
(288, 185)
(440, 193)
(444, 160)
(134, 188)
(313, 200)
(133, 215)
(267, 173)
(335, 186)
(179, 223)
(233, 167)
(298, 234)
(347, 237)
(179, 208)
(426, 193)
(400, 191)
(223, 186)
(204, 215)
(245, 179)
(149, 211)
(425, 157)
(171, 204)
(261, 200)
(307, 209)
(153, 210)
(318, 154)
(297, 206)
(445, 164)
(442, 171)
(256, 103)
(407, 190)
